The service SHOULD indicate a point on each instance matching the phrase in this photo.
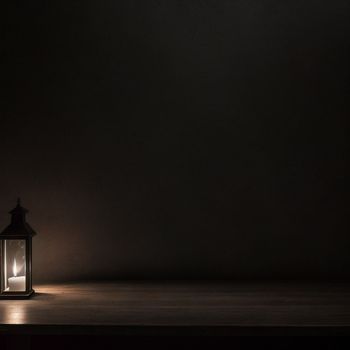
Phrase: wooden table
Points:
(172, 308)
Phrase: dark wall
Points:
(178, 139)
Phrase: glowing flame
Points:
(14, 268)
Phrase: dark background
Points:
(178, 139)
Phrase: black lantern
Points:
(16, 256)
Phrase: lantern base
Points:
(16, 295)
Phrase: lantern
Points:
(16, 256)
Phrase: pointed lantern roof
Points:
(18, 226)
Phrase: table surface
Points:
(131, 308)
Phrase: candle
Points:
(16, 283)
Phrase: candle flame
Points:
(14, 269)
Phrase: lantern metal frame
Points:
(18, 229)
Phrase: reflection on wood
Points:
(160, 307)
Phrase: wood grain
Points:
(180, 307)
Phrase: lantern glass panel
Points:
(14, 264)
